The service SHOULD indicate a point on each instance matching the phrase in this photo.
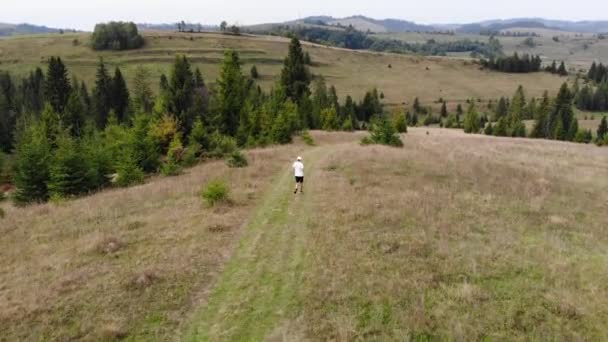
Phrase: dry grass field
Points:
(352, 72)
(454, 236)
(578, 51)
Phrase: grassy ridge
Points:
(352, 72)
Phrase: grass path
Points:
(260, 281)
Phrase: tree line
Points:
(554, 118)
(593, 96)
(351, 38)
(65, 140)
(116, 36)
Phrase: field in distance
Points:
(454, 236)
(400, 77)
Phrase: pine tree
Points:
(471, 120)
(32, 166)
(562, 69)
(541, 117)
(102, 95)
(254, 72)
(68, 169)
(73, 117)
(400, 122)
(602, 129)
(119, 95)
(417, 107)
(444, 110)
(230, 93)
(142, 94)
(180, 94)
(562, 113)
(295, 77)
(57, 84)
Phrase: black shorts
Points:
(299, 179)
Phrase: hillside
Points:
(400, 77)
(20, 29)
(454, 236)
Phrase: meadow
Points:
(454, 236)
(400, 77)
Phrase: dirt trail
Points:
(261, 279)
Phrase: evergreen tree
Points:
(471, 120)
(32, 166)
(489, 129)
(295, 77)
(320, 101)
(400, 121)
(73, 117)
(602, 129)
(68, 172)
(254, 72)
(500, 129)
(230, 93)
(562, 69)
(541, 117)
(57, 84)
(102, 95)
(516, 113)
(199, 82)
(142, 94)
(563, 114)
(180, 94)
(502, 108)
(444, 110)
(119, 95)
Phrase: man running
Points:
(298, 169)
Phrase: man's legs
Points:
(295, 191)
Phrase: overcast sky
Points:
(83, 14)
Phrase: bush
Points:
(431, 120)
(116, 36)
(383, 132)
(400, 122)
(129, 173)
(216, 192)
(308, 139)
(191, 155)
(221, 145)
(237, 159)
(172, 165)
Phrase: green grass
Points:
(352, 72)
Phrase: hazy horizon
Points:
(84, 15)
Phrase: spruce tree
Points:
(562, 69)
(471, 120)
(295, 77)
(602, 129)
(119, 95)
(142, 94)
(541, 117)
(73, 117)
(181, 89)
(444, 110)
(562, 113)
(68, 169)
(32, 166)
(57, 84)
(102, 95)
(254, 72)
(230, 93)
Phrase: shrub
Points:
(221, 145)
(431, 120)
(129, 173)
(254, 72)
(383, 132)
(191, 155)
(237, 159)
(400, 122)
(172, 165)
(308, 139)
(489, 129)
(216, 192)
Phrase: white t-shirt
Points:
(298, 169)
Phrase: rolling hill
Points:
(453, 237)
(24, 29)
(400, 77)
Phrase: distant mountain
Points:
(16, 29)
(364, 23)
(173, 27)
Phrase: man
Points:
(298, 169)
